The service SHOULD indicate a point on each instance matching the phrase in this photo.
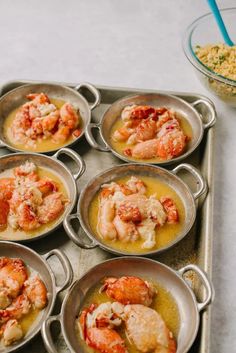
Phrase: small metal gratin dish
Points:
(187, 110)
(16, 97)
(170, 178)
(169, 279)
(53, 163)
(40, 265)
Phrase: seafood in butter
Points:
(150, 132)
(129, 290)
(127, 214)
(21, 293)
(101, 324)
(28, 200)
(43, 119)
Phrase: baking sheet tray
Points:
(195, 248)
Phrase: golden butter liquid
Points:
(120, 146)
(163, 303)
(11, 234)
(164, 235)
(40, 145)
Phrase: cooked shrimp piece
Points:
(18, 308)
(36, 292)
(15, 200)
(105, 193)
(146, 230)
(46, 186)
(103, 315)
(146, 130)
(106, 215)
(27, 218)
(38, 98)
(21, 125)
(13, 274)
(62, 134)
(136, 185)
(122, 134)
(49, 121)
(34, 112)
(105, 340)
(69, 116)
(136, 203)
(143, 112)
(155, 211)
(7, 186)
(46, 109)
(11, 332)
(132, 186)
(4, 211)
(126, 231)
(126, 112)
(28, 169)
(95, 325)
(146, 149)
(171, 210)
(51, 207)
(23, 119)
(127, 212)
(171, 144)
(168, 115)
(37, 127)
(147, 330)
(129, 290)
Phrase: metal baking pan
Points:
(195, 248)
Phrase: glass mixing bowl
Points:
(205, 31)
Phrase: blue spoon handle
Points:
(220, 22)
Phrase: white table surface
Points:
(133, 43)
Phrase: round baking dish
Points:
(53, 163)
(171, 280)
(39, 264)
(17, 97)
(187, 110)
(168, 177)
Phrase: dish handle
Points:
(210, 109)
(46, 333)
(76, 158)
(91, 140)
(64, 261)
(72, 234)
(210, 293)
(201, 182)
(93, 90)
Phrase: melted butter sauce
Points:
(30, 320)
(163, 303)
(120, 146)
(164, 235)
(11, 234)
(42, 145)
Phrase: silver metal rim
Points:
(12, 148)
(66, 212)
(161, 163)
(137, 258)
(95, 240)
(54, 295)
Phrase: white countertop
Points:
(133, 43)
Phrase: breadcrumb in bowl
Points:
(214, 62)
